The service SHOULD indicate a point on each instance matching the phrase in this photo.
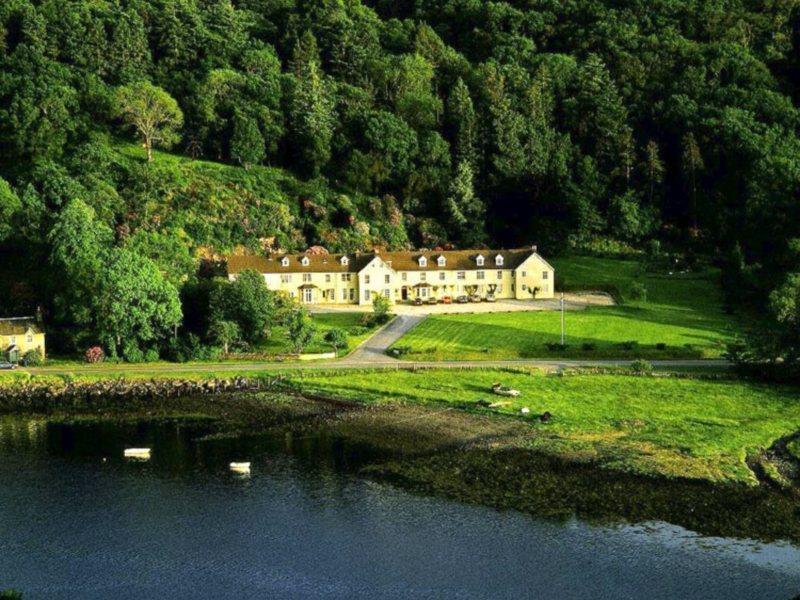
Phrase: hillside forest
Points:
(140, 136)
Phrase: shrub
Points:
(661, 346)
(588, 346)
(641, 366)
(150, 355)
(556, 346)
(94, 354)
(357, 330)
(337, 338)
(399, 351)
(32, 358)
(132, 352)
(630, 345)
(380, 308)
(638, 292)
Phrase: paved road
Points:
(374, 349)
(371, 354)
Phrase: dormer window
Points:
(285, 261)
(304, 261)
(479, 261)
(498, 260)
(423, 262)
(441, 261)
(345, 261)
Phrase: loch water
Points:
(77, 520)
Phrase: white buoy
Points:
(525, 410)
(240, 467)
(138, 453)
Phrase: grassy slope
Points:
(683, 311)
(666, 426)
(279, 343)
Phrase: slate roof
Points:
(18, 325)
(455, 260)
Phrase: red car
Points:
(447, 299)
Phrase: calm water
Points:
(73, 525)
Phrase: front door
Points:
(404, 293)
(308, 296)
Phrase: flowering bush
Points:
(95, 354)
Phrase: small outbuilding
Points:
(20, 335)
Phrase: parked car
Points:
(417, 301)
(462, 299)
(490, 298)
(474, 298)
(7, 366)
(432, 300)
(447, 299)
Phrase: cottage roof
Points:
(455, 260)
(18, 325)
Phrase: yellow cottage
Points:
(403, 276)
(19, 335)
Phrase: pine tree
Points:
(653, 167)
(692, 165)
(247, 143)
(466, 211)
(462, 122)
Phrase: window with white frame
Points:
(352, 294)
(387, 278)
(387, 293)
(404, 276)
(344, 294)
(480, 274)
(441, 275)
(345, 276)
(306, 277)
(479, 260)
(345, 260)
(327, 277)
(29, 339)
(285, 261)
(524, 273)
(304, 261)
(499, 274)
(366, 295)
(545, 275)
(423, 262)
(286, 278)
(441, 261)
(498, 260)
(366, 278)
(423, 277)
(461, 275)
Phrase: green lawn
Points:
(682, 311)
(350, 322)
(677, 427)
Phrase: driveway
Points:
(373, 350)
(571, 302)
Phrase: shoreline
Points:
(478, 459)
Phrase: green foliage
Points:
(247, 303)
(337, 338)
(380, 308)
(33, 358)
(10, 207)
(299, 329)
(225, 333)
(152, 112)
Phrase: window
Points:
(286, 278)
(331, 294)
(306, 277)
(285, 261)
(352, 294)
(387, 293)
(423, 277)
(524, 273)
(479, 261)
(441, 261)
(366, 278)
(345, 276)
(423, 262)
(545, 275)
(344, 260)
(441, 275)
(13, 340)
(327, 277)
(304, 261)
(423, 292)
(404, 276)
(344, 294)
(366, 295)
(387, 278)
(308, 295)
(499, 274)
(480, 274)
(461, 275)
(499, 289)
(498, 260)
(29, 339)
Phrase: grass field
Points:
(681, 317)
(350, 322)
(675, 427)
